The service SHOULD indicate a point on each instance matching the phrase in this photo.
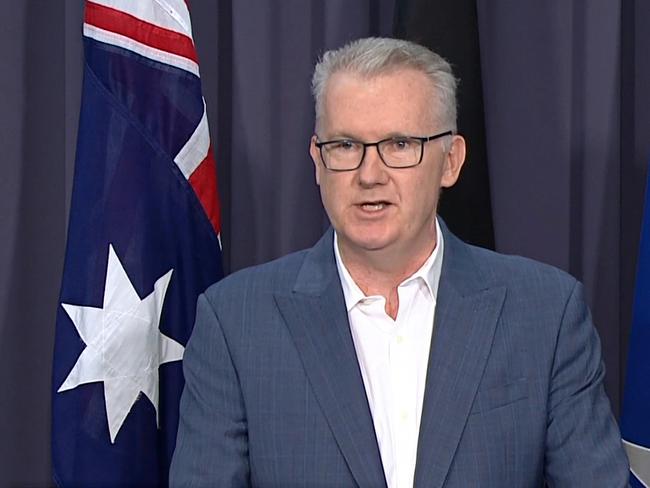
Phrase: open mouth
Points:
(374, 206)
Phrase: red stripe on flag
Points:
(204, 183)
(119, 22)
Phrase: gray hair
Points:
(373, 56)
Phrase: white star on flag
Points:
(124, 346)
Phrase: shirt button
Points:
(403, 416)
(399, 339)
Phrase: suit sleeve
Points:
(583, 443)
(212, 442)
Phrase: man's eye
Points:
(401, 144)
(344, 146)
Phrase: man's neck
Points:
(381, 272)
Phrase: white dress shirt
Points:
(393, 356)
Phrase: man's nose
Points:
(372, 171)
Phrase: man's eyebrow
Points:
(335, 136)
(395, 134)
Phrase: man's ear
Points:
(314, 152)
(454, 160)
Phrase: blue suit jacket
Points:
(514, 396)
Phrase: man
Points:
(391, 353)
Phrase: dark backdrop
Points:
(565, 89)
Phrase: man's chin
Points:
(368, 243)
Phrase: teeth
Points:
(373, 207)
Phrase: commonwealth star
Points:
(124, 346)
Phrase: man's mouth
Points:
(374, 206)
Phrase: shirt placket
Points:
(404, 392)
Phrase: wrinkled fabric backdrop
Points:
(560, 155)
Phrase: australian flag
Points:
(143, 242)
(635, 421)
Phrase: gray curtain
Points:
(566, 103)
(567, 118)
(39, 96)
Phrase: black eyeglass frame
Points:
(376, 144)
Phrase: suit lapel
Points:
(317, 320)
(467, 312)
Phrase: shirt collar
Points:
(429, 272)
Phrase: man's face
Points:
(375, 207)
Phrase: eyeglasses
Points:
(395, 152)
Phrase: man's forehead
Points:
(352, 93)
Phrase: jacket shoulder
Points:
(516, 270)
(277, 275)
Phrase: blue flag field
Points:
(635, 420)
